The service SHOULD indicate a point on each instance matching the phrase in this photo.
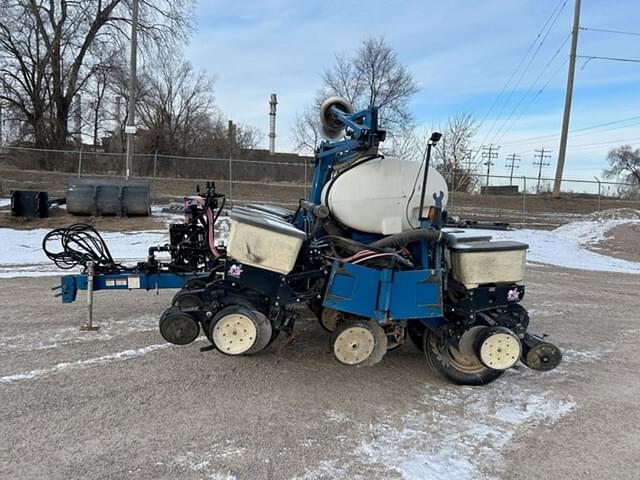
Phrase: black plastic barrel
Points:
(108, 196)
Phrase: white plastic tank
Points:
(382, 195)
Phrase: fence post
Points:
(599, 190)
(305, 178)
(155, 163)
(80, 161)
(524, 199)
(230, 179)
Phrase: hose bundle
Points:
(77, 245)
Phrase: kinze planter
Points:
(365, 252)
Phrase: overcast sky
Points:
(461, 53)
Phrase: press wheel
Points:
(359, 343)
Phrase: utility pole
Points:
(1, 126)
(489, 153)
(540, 163)
(130, 129)
(511, 164)
(567, 101)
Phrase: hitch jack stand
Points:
(88, 325)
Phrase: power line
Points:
(553, 17)
(552, 135)
(613, 59)
(533, 99)
(501, 131)
(604, 30)
(541, 156)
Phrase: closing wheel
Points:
(542, 357)
(178, 328)
(359, 343)
(458, 365)
(498, 348)
(328, 319)
(237, 330)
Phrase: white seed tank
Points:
(382, 195)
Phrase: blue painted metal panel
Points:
(416, 294)
(385, 294)
(353, 289)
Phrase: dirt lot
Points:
(622, 241)
(120, 403)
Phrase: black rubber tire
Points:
(178, 328)
(185, 300)
(195, 284)
(439, 357)
(265, 333)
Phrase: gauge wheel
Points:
(195, 284)
(359, 343)
(185, 300)
(178, 327)
(238, 330)
(458, 365)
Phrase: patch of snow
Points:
(22, 255)
(5, 202)
(454, 432)
(565, 246)
(204, 461)
(81, 364)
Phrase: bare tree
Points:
(177, 103)
(307, 130)
(49, 50)
(624, 162)
(374, 76)
(452, 154)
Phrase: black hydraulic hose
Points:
(401, 239)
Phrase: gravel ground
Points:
(621, 242)
(120, 403)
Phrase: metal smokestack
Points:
(272, 123)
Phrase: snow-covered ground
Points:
(4, 202)
(21, 250)
(21, 253)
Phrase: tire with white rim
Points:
(359, 343)
(238, 330)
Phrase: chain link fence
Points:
(285, 178)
